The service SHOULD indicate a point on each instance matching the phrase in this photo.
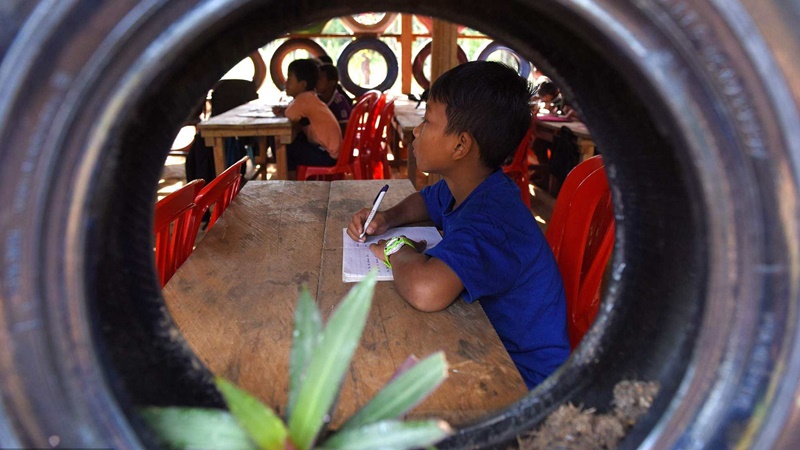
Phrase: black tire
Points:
(695, 107)
(283, 50)
(367, 43)
(523, 65)
(419, 63)
(376, 28)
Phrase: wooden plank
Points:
(482, 377)
(234, 298)
(444, 47)
(406, 40)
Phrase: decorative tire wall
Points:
(524, 67)
(688, 100)
(376, 28)
(419, 63)
(283, 50)
(367, 43)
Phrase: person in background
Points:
(318, 142)
(549, 94)
(327, 91)
(492, 250)
(538, 78)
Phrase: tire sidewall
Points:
(59, 174)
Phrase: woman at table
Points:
(318, 142)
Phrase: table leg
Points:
(219, 155)
(585, 148)
(262, 156)
(282, 171)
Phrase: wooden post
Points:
(444, 54)
(406, 40)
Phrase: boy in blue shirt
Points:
(492, 250)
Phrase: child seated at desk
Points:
(328, 91)
(492, 250)
(319, 141)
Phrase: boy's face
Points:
(324, 85)
(294, 87)
(432, 147)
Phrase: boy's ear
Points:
(463, 145)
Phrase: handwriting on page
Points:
(358, 259)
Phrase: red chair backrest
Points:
(355, 135)
(582, 238)
(517, 169)
(219, 193)
(555, 229)
(374, 163)
(172, 227)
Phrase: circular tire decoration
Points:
(419, 62)
(367, 43)
(375, 28)
(523, 64)
(276, 63)
(702, 291)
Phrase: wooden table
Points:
(251, 119)
(548, 129)
(233, 300)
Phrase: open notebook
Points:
(358, 260)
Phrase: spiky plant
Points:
(318, 362)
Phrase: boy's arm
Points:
(427, 284)
(411, 209)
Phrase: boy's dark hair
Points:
(330, 71)
(489, 100)
(547, 88)
(305, 70)
(325, 59)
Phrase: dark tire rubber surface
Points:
(693, 104)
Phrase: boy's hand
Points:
(279, 110)
(377, 226)
(378, 248)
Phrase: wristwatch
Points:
(393, 245)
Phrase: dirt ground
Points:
(572, 427)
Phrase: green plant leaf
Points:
(306, 336)
(263, 426)
(403, 393)
(390, 435)
(329, 362)
(197, 428)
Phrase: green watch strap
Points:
(394, 245)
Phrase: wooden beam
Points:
(444, 48)
(406, 40)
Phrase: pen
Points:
(375, 206)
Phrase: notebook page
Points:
(358, 260)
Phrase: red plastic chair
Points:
(355, 138)
(172, 226)
(558, 220)
(218, 193)
(517, 169)
(581, 234)
(374, 160)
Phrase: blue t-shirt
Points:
(491, 241)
